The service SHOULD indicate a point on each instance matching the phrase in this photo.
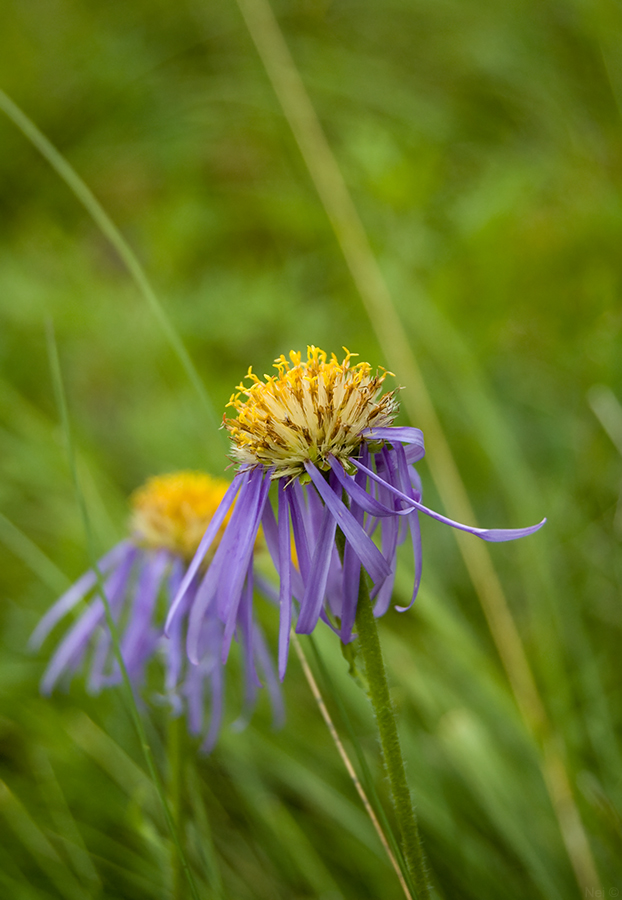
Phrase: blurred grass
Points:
(482, 146)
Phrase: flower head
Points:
(141, 575)
(322, 430)
(309, 412)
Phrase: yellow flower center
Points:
(309, 410)
(173, 511)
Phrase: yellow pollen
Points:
(173, 511)
(309, 410)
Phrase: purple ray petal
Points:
(173, 643)
(206, 541)
(240, 557)
(298, 509)
(97, 677)
(76, 592)
(334, 585)
(272, 682)
(204, 597)
(140, 636)
(350, 592)
(74, 644)
(363, 546)
(351, 566)
(237, 544)
(402, 435)
(221, 571)
(314, 515)
(285, 568)
(360, 496)
(271, 533)
(316, 584)
(495, 535)
(413, 523)
(391, 530)
(245, 619)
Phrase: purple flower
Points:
(323, 432)
(169, 515)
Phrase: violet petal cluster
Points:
(135, 581)
(383, 495)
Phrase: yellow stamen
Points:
(309, 410)
(173, 511)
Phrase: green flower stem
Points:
(389, 740)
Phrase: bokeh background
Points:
(482, 144)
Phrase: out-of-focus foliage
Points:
(482, 143)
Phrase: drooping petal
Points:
(245, 622)
(272, 682)
(350, 592)
(399, 435)
(413, 523)
(285, 566)
(365, 500)
(205, 674)
(140, 631)
(301, 537)
(173, 648)
(315, 587)
(73, 646)
(206, 541)
(390, 535)
(222, 570)
(76, 592)
(204, 597)
(496, 535)
(363, 546)
(314, 515)
(239, 559)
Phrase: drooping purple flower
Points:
(143, 574)
(322, 430)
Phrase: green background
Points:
(482, 144)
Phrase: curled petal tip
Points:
(497, 535)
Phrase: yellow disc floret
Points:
(309, 410)
(173, 511)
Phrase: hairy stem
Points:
(389, 741)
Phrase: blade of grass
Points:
(283, 839)
(66, 824)
(127, 684)
(207, 848)
(367, 276)
(32, 556)
(34, 840)
(101, 218)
